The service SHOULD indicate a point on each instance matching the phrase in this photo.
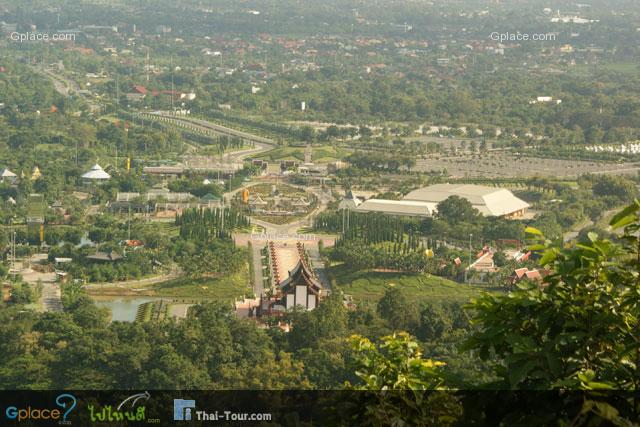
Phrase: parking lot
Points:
(507, 165)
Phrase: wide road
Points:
(67, 87)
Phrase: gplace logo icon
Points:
(182, 409)
(65, 401)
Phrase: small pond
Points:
(123, 309)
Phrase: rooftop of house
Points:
(105, 256)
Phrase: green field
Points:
(370, 286)
(221, 288)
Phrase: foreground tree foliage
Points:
(396, 370)
(579, 331)
(395, 364)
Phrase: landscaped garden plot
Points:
(275, 203)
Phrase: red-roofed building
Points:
(533, 275)
(519, 273)
(140, 89)
(525, 257)
(524, 273)
(484, 262)
(174, 93)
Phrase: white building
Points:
(7, 177)
(490, 201)
(302, 288)
(398, 207)
(545, 100)
(350, 202)
(96, 175)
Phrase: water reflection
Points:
(123, 309)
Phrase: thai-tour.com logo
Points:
(182, 409)
(185, 410)
(65, 404)
(130, 409)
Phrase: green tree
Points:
(456, 209)
(579, 330)
(396, 366)
(327, 321)
(433, 323)
(397, 310)
(23, 293)
(168, 369)
(281, 373)
(499, 259)
(614, 186)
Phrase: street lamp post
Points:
(469, 268)
(11, 238)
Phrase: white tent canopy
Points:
(96, 173)
(6, 173)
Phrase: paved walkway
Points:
(51, 295)
(132, 283)
(50, 298)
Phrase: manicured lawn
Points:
(371, 285)
(219, 288)
(164, 228)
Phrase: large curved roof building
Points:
(490, 201)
